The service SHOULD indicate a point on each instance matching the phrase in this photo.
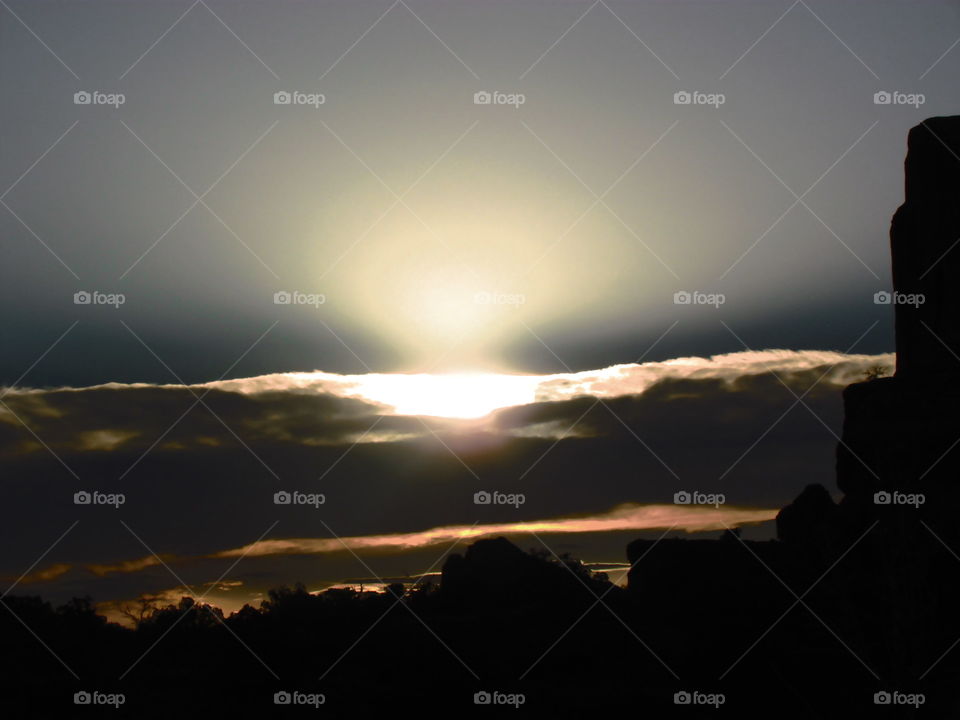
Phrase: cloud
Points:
(626, 517)
(326, 409)
(128, 566)
(200, 481)
(688, 518)
(618, 380)
(46, 574)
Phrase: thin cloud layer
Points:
(626, 517)
(322, 408)
(687, 518)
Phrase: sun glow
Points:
(462, 395)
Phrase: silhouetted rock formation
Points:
(876, 572)
(898, 462)
(494, 572)
(808, 520)
(489, 567)
(899, 433)
(923, 231)
(723, 583)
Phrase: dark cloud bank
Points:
(198, 477)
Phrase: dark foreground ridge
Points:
(851, 612)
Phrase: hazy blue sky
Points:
(503, 198)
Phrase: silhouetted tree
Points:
(140, 609)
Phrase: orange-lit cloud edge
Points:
(630, 516)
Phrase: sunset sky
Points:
(260, 272)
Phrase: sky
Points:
(401, 202)
(204, 286)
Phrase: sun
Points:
(450, 395)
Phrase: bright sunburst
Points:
(463, 395)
